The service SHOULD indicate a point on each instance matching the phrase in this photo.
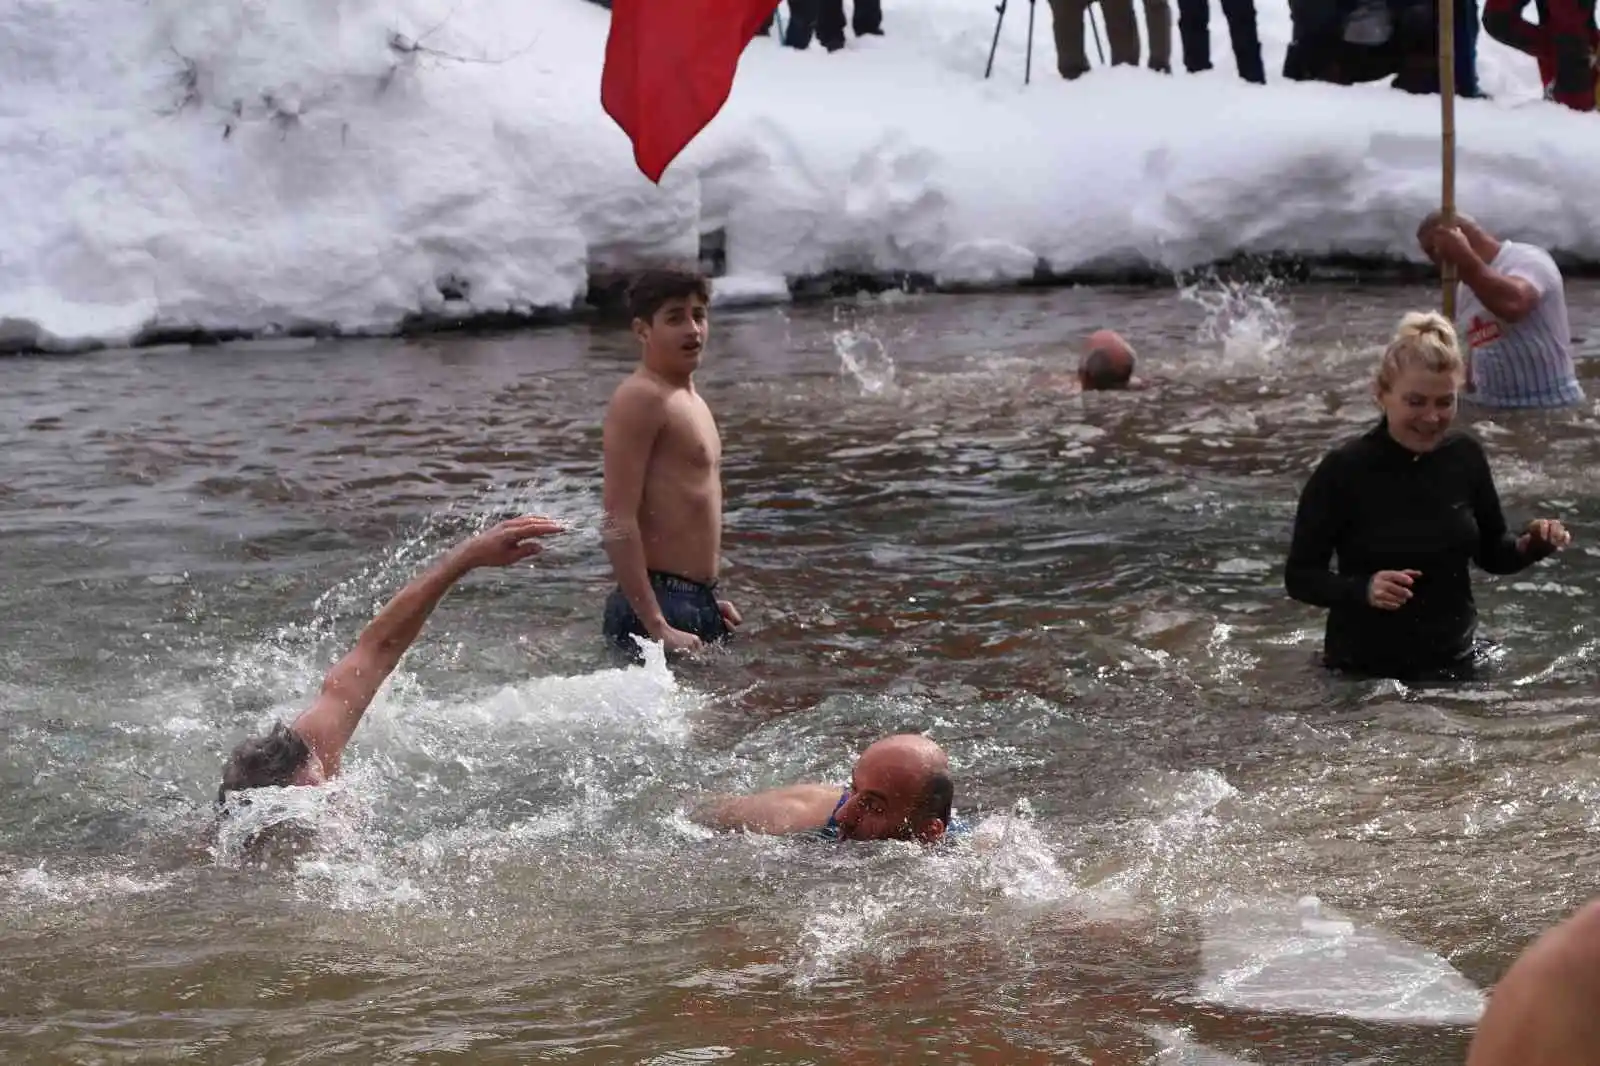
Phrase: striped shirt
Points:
(1527, 363)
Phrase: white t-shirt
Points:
(1527, 363)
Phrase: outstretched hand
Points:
(510, 541)
(1544, 534)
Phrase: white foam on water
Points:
(1180, 1048)
(1166, 845)
(643, 701)
(44, 884)
(877, 906)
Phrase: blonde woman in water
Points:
(1405, 508)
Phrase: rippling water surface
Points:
(1080, 597)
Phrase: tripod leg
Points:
(998, 19)
(1027, 63)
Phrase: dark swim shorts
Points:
(687, 605)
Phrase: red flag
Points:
(669, 69)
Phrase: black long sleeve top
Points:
(1377, 505)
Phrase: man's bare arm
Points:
(633, 422)
(792, 809)
(1507, 296)
(349, 687)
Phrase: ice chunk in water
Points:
(1306, 959)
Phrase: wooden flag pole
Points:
(1447, 115)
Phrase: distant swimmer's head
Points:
(279, 758)
(1107, 362)
(900, 790)
(1418, 378)
(669, 309)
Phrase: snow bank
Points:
(241, 166)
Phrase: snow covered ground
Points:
(239, 165)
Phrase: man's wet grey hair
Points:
(266, 761)
(1436, 219)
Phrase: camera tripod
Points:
(1027, 66)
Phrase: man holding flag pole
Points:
(1506, 298)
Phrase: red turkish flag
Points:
(669, 69)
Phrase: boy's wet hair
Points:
(652, 289)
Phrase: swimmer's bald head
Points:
(900, 789)
(1107, 362)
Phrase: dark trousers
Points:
(825, 19)
(1467, 48)
(1194, 27)
(1417, 30)
(1320, 53)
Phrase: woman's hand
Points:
(1544, 535)
(1390, 590)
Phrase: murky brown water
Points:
(1080, 597)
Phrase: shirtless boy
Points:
(663, 478)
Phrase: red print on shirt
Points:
(1482, 331)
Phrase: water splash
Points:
(573, 502)
(1172, 841)
(1015, 862)
(1246, 320)
(995, 880)
(274, 824)
(285, 664)
(845, 930)
(865, 360)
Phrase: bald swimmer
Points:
(1106, 364)
(900, 789)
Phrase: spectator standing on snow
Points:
(1564, 42)
(1194, 26)
(825, 19)
(1349, 41)
(1122, 29)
